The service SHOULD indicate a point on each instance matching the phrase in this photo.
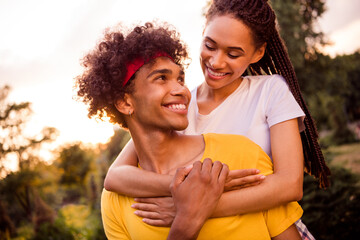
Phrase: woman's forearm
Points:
(274, 191)
(135, 182)
(126, 178)
(283, 186)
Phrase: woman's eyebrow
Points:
(231, 48)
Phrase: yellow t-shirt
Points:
(238, 152)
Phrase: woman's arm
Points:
(126, 178)
(284, 186)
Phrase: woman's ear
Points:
(124, 105)
(259, 53)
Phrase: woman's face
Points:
(160, 98)
(226, 51)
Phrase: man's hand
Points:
(196, 193)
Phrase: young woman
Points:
(149, 97)
(240, 38)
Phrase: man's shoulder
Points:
(224, 139)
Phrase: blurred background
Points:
(53, 159)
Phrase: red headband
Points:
(133, 66)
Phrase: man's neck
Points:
(164, 152)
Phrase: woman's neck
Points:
(209, 98)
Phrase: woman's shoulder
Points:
(266, 79)
(267, 82)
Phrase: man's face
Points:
(160, 98)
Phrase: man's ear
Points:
(259, 53)
(124, 105)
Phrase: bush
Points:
(333, 213)
(56, 231)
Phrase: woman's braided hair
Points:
(260, 18)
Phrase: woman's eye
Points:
(233, 55)
(210, 47)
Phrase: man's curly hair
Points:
(101, 83)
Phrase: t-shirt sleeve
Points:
(281, 104)
(113, 226)
(264, 163)
(278, 219)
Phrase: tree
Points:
(333, 213)
(13, 118)
(330, 86)
(21, 190)
(296, 21)
(75, 163)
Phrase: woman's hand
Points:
(243, 178)
(159, 211)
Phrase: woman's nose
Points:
(217, 60)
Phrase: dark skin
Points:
(220, 53)
(157, 109)
(188, 189)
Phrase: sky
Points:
(42, 42)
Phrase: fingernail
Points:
(257, 171)
(262, 177)
(136, 212)
(133, 205)
(136, 199)
(189, 166)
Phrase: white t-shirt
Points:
(257, 104)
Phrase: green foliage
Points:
(330, 86)
(55, 231)
(24, 199)
(80, 220)
(116, 144)
(74, 162)
(296, 22)
(333, 213)
(24, 232)
(13, 118)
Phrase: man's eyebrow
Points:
(232, 48)
(163, 71)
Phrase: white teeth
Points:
(177, 106)
(216, 73)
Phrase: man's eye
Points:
(181, 80)
(161, 77)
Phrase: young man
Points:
(138, 82)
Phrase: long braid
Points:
(260, 18)
(314, 159)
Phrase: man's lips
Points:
(177, 107)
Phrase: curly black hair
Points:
(101, 83)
